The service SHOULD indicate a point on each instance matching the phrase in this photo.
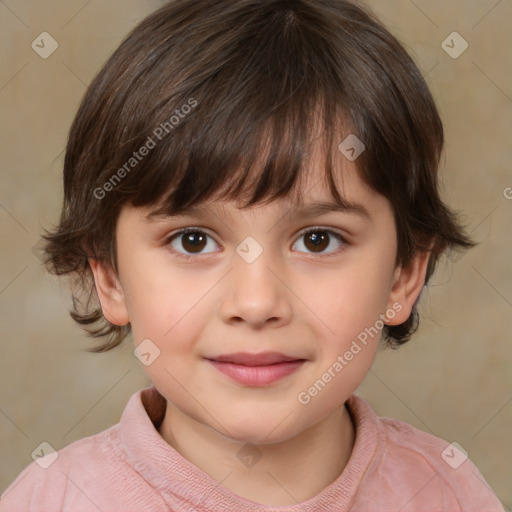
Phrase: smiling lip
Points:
(256, 369)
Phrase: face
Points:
(315, 287)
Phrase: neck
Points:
(278, 474)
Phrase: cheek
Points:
(162, 301)
(349, 307)
(348, 337)
(351, 299)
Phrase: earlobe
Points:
(110, 293)
(407, 285)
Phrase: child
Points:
(249, 129)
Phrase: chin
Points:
(260, 429)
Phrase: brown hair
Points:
(183, 108)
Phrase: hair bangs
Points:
(251, 155)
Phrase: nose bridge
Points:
(255, 294)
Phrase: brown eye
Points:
(318, 240)
(194, 241)
(190, 241)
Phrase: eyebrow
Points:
(319, 208)
(300, 210)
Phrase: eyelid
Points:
(321, 228)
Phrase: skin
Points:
(290, 299)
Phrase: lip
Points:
(248, 359)
(256, 369)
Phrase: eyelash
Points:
(315, 229)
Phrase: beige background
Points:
(453, 379)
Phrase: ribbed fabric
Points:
(130, 467)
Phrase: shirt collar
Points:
(174, 476)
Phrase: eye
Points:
(192, 240)
(318, 239)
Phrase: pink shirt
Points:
(130, 467)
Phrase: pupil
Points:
(317, 240)
(191, 237)
(199, 239)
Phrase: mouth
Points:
(256, 369)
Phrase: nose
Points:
(256, 293)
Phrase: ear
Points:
(407, 285)
(110, 293)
